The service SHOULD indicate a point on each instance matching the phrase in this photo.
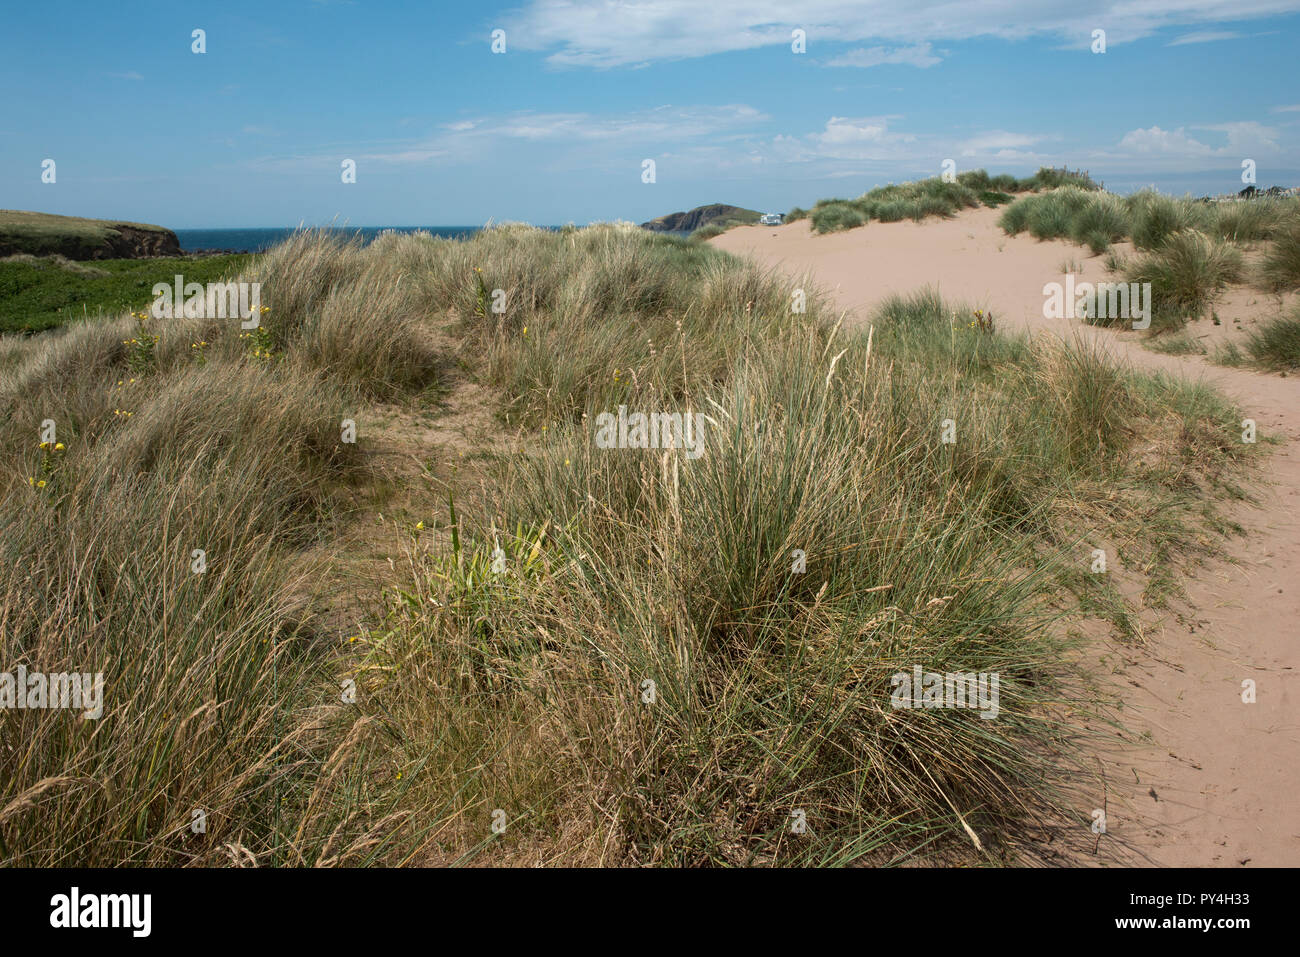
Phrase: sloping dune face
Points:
(1211, 778)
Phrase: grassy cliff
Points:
(44, 234)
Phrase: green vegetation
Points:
(933, 197)
(1281, 266)
(701, 217)
(719, 226)
(1186, 273)
(1192, 250)
(1180, 343)
(43, 292)
(44, 234)
(1274, 346)
(1147, 218)
(526, 689)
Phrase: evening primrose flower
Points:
(58, 446)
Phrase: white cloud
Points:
(1158, 150)
(1208, 36)
(1156, 140)
(657, 131)
(1293, 108)
(918, 55)
(1244, 136)
(863, 138)
(996, 142)
(606, 33)
(666, 124)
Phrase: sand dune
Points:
(1210, 781)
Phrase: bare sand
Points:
(1209, 780)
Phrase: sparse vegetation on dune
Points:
(921, 199)
(1190, 250)
(1096, 218)
(526, 689)
(1186, 274)
(1281, 267)
(1274, 346)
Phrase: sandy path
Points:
(1211, 781)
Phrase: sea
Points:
(257, 240)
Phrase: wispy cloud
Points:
(919, 55)
(1157, 150)
(656, 131)
(1208, 36)
(997, 143)
(601, 33)
(132, 75)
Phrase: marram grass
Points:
(617, 649)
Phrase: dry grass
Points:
(525, 690)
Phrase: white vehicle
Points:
(771, 219)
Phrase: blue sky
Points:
(445, 132)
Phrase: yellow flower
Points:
(419, 526)
(45, 445)
(566, 461)
(41, 484)
(58, 446)
(525, 330)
